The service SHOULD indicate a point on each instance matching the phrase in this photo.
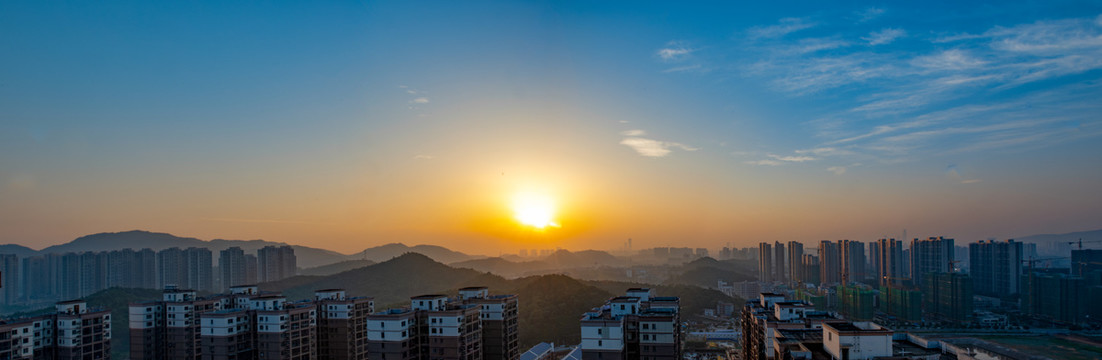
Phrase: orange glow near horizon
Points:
(534, 209)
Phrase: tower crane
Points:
(1080, 242)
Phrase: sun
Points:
(534, 209)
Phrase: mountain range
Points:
(308, 257)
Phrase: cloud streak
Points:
(651, 147)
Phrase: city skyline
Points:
(349, 125)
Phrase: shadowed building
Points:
(636, 326)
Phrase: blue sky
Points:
(367, 122)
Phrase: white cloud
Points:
(791, 158)
(635, 132)
(420, 100)
(837, 170)
(784, 27)
(674, 51)
(653, 148)
(884, 36)
(764, 162)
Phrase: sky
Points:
(345, 125)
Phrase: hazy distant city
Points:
(550, 180)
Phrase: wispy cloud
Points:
(884, 36)
(674, 51)
(420, 100)
(869, 14)
(777, 160)
(423, 157)
(650, 147)
(783, 27)
(837, 170)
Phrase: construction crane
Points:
(1080, 242)
(1030, 263)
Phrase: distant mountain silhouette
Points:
(18, 250)
(386, 252)
(585, 258)
(391, 281)
(138, 239)
(336, 268)
(505, 267)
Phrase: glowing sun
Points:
(534, 209)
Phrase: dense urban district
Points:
(143, 295)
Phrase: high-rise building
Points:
(232, 266)
(905, 304)
(830, 263)
(636, 326)
(500, 322)
(39, 278)
(9, 279)
(933, 255)
(853, 261)
(889, 261)
(1084, 261)
(873, 265)
(764, 317)
(199, 269)
(948, 296)
(172, 268)
(795, 262)
(1055, 297)
(810, 266)
(996, 267)
(245, 324)
(73, 331)
(342, 324)
(779, 267)
(474, 325)
(765, 262)
(275, 263)
(251, 269)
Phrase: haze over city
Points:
(498, 126)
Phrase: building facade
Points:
(638, 325)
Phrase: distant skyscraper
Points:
(830, 262)
(873, 265)
(889, 261)
(765, 262)
(199, 266)
(251, 269)
(779, 263)
(9, 279)
(231, 265)
(996, 267)
(795, 262)
(171, 268)
(275, 263)
(853, 260)
(810, 267)
(932, 255)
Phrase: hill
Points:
(551, 306)
(18, 250)
(138, 239)
(393, 281)
(336, 268)
(389, 251)
(706, 272)
(585, 258)
(504, 267)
